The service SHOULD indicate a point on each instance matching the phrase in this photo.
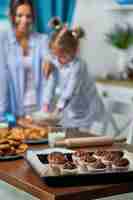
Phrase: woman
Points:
(21, 54)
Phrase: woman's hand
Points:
(47, 69)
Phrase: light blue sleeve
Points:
(45, 51)
(71, 85)
(49, 89)
(50, 83)
(3, 79)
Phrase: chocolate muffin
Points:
(97, 165)
(69, 165)
(84, 160)
(69, 168)
(120, 163)
(118, 153)
(56, 158)
(100, 153)
(110, 156)
(88, 158)
(79, 153)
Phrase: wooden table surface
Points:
(21, 175)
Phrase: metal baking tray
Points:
(38, 161)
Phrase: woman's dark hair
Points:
(14, 4)
(67, 39)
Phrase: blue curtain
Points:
(46, 9)
(4, 8)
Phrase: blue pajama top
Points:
(12, 76)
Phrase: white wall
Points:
(93, 16)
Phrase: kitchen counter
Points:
(20, 174)
(126, 83)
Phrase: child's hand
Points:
(55, 114)
(47, 68)
(28, 118)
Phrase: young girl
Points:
(78, 101)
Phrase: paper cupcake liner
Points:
(90, 168)
(120, 168)
(68, 171)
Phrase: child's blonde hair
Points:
(66, 39)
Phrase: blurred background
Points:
(97, 18)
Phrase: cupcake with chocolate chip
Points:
(121, 163)
(56, 158)
(118, 153)
(69, 168)
(77, 155)
(98, 165)
(110, 156)
(99, 154)
(85, 161)
(87, 158)
(82, 159)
